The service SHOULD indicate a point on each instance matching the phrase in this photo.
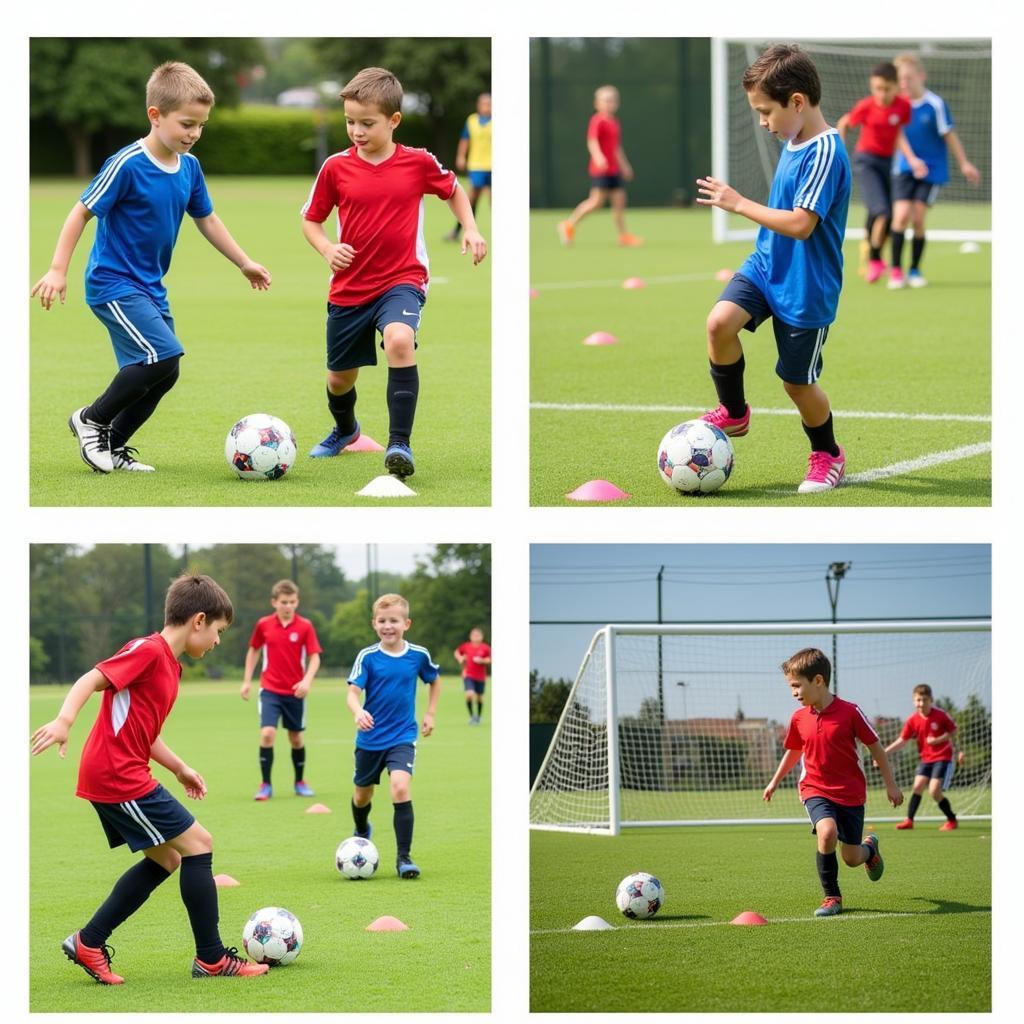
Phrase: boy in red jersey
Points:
(291, 658)
(608, 169)
(474, 656)
(933, 730)
(881, 117)
(824, 733)
(139, 686)
(379, 262)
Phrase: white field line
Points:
(922, 462)
(854, 414)
(562, 286)
(775, 920)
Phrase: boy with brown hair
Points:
(379, 262)
(140, 685)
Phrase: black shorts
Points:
(282, 707)
(906, 186)
(873, 174)
(849, 820)
(942, 770)
(352, 330)
(609, 182)
(147, 821)
(370, 764)
(474, 685)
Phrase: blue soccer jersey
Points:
(389, 682)
(139, 203)
(930, 122)
(801, 279)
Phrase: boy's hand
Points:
(970, 172)
(244, 689)
(460, 164)
(627, 172)
(340, 256)
(895, 794)
(301, 688)
(766, 796)
(600, 161)
(52, 285)
(428, 723)
(919, 168)
(473, 241)
(364, 720)
(195, 787)
(717, 193)
(46, 735)
(257, 275)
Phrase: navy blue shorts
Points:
(139, 331)
(800, 360)
(474, 685)
(352, 330)
(936, 770)
(370, 764)
(849, 820)
(148, 821)
(480, 179)
(906, 186)
(606, 181)
(873, 175)
(282, 707)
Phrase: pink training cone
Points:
(225, 880)
(318, 809)
(725, 274)
(364, 443)
(748, 917)
(634, 282)
(534, 293)
(387, 924)
(600, 338)
(597, 490)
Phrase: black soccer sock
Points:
(199, 894)
(132, 384)
(479, 708)
(343, 409)
(130, 891)
(299, 762)
(469, 706)
(822, 438)
(361, 817)
(128, 421)
(898, 238)
(728, 381)
(915, 802)
(946, 809)
(916, 251)
(403, 827)
(266, 763)
(828, 872)
(403, 390)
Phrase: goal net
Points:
(685, 724)
(960, 71)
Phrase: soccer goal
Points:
(684, 724)
(959, 70)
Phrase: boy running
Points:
(140, 197)
(473, 156)
(474, 656)
(824, 734)
(379, 262)
(139, 686)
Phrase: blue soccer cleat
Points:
(334, 443)
(406, 867)
(874, 865)
(832, 905)
(303, 789)
(364, 835)
(398, 460)
(265, 792)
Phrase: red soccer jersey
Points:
(831, 762)
(470, 668)
(879, 125)
(608, 132)
(380, 214)
(918, 727)
(144, 678)
(285, 650)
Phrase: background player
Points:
(473, 156)
(475, 657)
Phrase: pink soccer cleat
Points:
(95, 962)
(824, 472)
(876, 268)
(896, 279)
(906, 823)
(733, 426)
(948, 826)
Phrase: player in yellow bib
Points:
(473, 156)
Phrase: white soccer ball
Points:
(357, 858)
(272, 936)
(695, 457)
(260, 447)
(639, 895)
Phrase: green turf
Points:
(259, 352)
(919, 939)
(921, 352)
(282, 856)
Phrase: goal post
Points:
(683, 724)
(959, 70)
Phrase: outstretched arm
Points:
(471, 237)
(57, 730)
(54, 283)
(213, 229)
(798, 223)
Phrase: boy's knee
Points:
(362, 795)
(341, 381)
(399, 792)
(295, 738)
(168, 859)
(267, 735)
(399, 343)
(852, 856)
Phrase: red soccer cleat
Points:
(229, 965)
(833, 905)
(906, 823)
(95, 962)
(734, 426)
(948, 826)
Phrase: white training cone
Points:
(969, 247)
(386, 486)
(593, 924)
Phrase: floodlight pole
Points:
(661, 680)
(834, 575)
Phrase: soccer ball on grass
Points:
(260, 447)
(272, 936)
(639, 895)
(695, 457)
(357, 858)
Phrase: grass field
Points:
(917, 940)
(907, 372)
(281, 856)
(259, 352)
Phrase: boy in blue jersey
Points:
(382, 699)
(795, 273)
(140, 196)
(932, 138)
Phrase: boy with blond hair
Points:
(933, 731)
(382, 699)
(823, 734)
(139, 198)
(291, 658)
(140, 685)
(379, 262)
(795, 273)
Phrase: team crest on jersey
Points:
(294, 637)
(894, 119)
